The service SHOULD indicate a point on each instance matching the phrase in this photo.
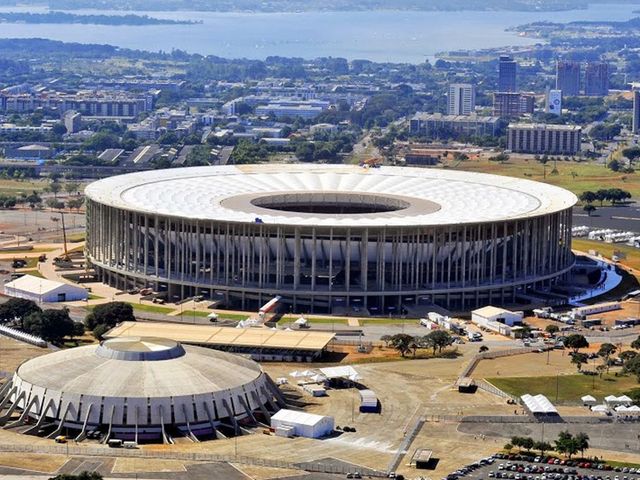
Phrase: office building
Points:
(507, 68)
(568, 77)
(635, 128)
(554, 102)
(544, 138)
(509, 104)
(596, 79)
(462, 99)
(435, 125)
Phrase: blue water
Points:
(380, 35)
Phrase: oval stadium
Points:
(140, 388)
(329, 237)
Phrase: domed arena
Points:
(326, 237)
(139, 389)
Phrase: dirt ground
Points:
(33, 461)
(528, 365)
(13, 353)
(140, 465)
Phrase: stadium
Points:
(139, 388)
(326, 238)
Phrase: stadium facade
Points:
(138, 388)
(327, 236)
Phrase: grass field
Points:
(151, 308)
(607, 249)
(14, 187)
(574, 176)
(34, 273)
(567, 389)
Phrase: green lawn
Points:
(575, 176)
(569, 388)
(388, 321)
(14, 187)
(607, 249)
(151, 308)
(34, 273)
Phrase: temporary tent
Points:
(614, 401)
(304, 424)
(44, 290)
(538, 404)
(600, 409)
(588, 400)
(346, 372)
(368, 401)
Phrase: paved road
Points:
(622, 217)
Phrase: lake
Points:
(396, 36)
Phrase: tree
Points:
(80, 476)
(543, 447)
(54, 187)
(552, 329)
(402, 342)
(633, 367)
(483, 349)
(636, 343)
(582, 442)
(71, 187)
(75, 203)
(110, 314)
(386, 339)
(51, 325)
(579, 359)
(606, 350)
(78, 330)
(18, 308)
(566, 444)
(99, 331)
(438, 339)
(589, 209)
(627, 355)
(576, 342)
(588, 197)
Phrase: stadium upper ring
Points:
(330, 195)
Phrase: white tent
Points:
(301, 321)
(588, 400)
(614, 401)
(44, 290)
(303, 424)
(538, 404)
(600, 409)
(346, 372)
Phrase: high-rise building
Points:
(544, 138)
(507, 74)
(635, 128)
(511, 104)
(72, 121)
(462, 99)
(554, 102)
(596, 79)
(568, 77)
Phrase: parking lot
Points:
(516, 467)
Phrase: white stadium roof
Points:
(429, 196)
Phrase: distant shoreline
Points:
(72, 18)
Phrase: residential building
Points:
(554, 102)
(72, 121)
(544, 138)
(568, 77)
(507, 72)
(511, 104)
(436, 125)
(596, 79)
(462, 99)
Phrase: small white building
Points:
(496, 319)
(44, 290)
(302, 424)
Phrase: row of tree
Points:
(404, 343)
(613, 195)
(566, 444)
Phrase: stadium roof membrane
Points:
(405, 196)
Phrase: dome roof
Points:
(139, 367)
